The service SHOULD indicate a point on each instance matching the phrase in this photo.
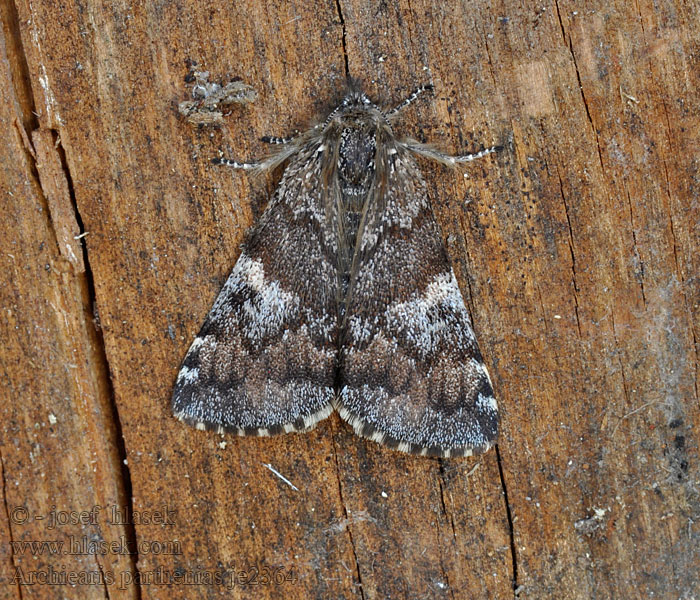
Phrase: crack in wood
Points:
(347, 518)
(636, 248)
(104, 372)
(511, 528)
(343, 38)
(571, 250)
(449, 517)
(55, 183)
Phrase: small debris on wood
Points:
(282, 477)
(210, 99)
(589, 525)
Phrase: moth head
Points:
(357, 104)
(356, 98)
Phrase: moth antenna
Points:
(427, 87)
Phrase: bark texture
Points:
(578, 249)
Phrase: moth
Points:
(344, 298)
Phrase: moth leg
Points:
(428, 151)
(272, 139)
(289, 146)
(227, 162)
(427, 87)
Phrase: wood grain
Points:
(577, 249)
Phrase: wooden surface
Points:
(577, 248)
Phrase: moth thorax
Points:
(356, 154)
(356, 167)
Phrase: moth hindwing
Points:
(343, 297)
